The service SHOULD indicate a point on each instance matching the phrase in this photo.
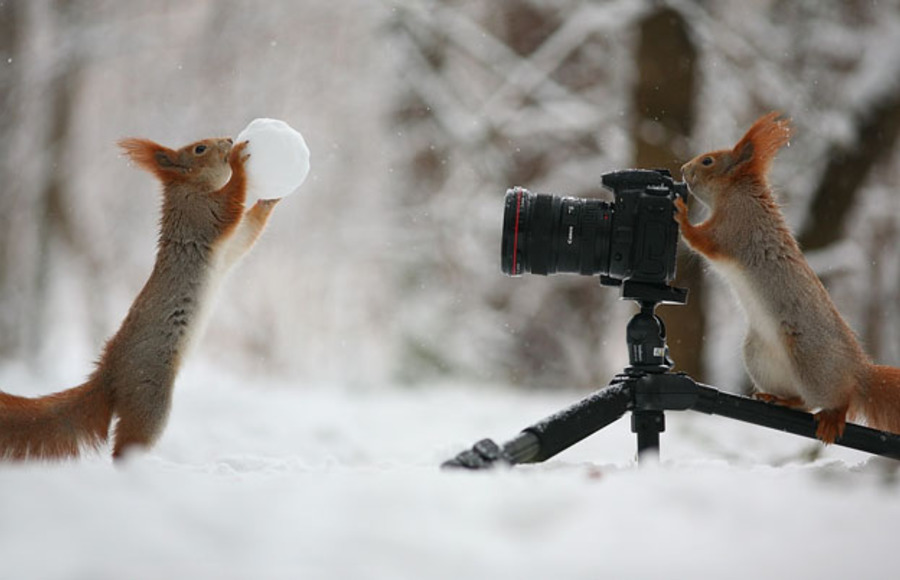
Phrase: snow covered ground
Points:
(273, 480)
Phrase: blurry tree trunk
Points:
(839, 191)
(10, 80)
(663, 119)
(545, 350)
(36, 138)
(502, 94)
(881, 302)
(53, 215)
(875, 136)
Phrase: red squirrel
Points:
(798, 351)
(203, 231)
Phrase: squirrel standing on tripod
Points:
(798, 351)
(203, 231)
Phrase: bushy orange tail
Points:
(879, 399)
(55, 426)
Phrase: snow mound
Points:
(262, 478)
(279, 158)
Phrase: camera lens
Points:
(545, 234)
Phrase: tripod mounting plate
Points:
(650, 292)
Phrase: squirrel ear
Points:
(165, 159)
(152, 157)
(742, 155)
(754, 152)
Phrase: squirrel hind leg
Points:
(130, 436)
(125, 445)
(792, 402)
(830, 424)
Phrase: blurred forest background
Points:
(384, 267)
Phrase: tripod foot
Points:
(482, 455)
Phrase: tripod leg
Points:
(647, 425)
(556, 433)
(715, 402)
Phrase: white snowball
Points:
(279, 158)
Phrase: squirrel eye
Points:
(199, 149)
(707, 161)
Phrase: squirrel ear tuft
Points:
(753, 154)
(151, 157)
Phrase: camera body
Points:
(634, 238)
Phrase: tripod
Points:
(647, 388)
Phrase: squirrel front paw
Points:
(260, 211)
(268, 203)
(681, 210)
(239, 154)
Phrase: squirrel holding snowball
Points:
(204, 229)
(798, 351)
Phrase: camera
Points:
(633, 238)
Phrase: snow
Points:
(336, 476)
(279, 158)
(264, 478)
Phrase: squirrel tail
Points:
(55, 426)
(879, 399)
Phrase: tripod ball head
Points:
(646, 335)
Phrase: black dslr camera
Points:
(633, 239)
